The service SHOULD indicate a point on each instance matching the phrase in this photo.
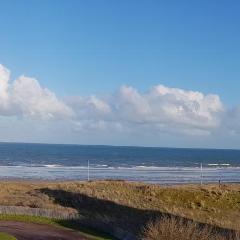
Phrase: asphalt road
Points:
(33, 231)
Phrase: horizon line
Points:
(120, 146)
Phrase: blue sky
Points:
(84, 48)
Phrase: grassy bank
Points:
(4, 236)
(119, 207)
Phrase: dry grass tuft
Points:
(171, 228)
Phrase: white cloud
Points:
(4, 79)
(37, 102)
(131, 106)
(25, 97)
(89, 107)
(161, 109)
(170, 109)
(231, 120)
(192, 109)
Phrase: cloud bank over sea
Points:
(160, 109)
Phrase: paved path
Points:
(33, 231)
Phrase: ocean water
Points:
(156, 165)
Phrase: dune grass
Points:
(114, 206)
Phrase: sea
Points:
(145, 164)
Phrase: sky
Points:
(149, 73)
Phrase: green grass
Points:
(89, 233)
(4, 236)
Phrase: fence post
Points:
(88, 172)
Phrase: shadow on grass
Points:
(89, 231)
(118, 220)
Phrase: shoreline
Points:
(159, 176)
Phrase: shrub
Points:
(171, 228)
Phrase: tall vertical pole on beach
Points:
(88, 171)
(201, 174)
